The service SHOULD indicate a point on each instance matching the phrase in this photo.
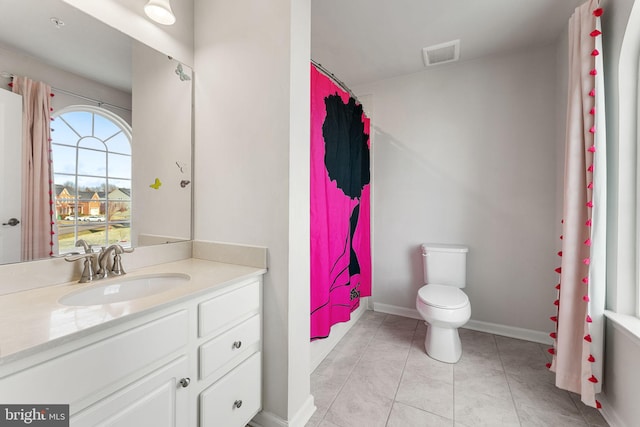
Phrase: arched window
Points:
(91, 149)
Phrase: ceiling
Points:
(362, 41)
(83, 45)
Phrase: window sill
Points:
(629, 325)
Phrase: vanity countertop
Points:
(34, 320)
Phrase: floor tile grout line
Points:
(502, 354)
(506, 377)
(516, 406)
(453, 394)
(582, 415)
(347, 377)
(393, 401)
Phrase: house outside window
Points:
(91, 150)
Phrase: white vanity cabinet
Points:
(229, 357)
(96, 368)
(192, 363)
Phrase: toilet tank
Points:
(445, 264)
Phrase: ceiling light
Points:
(160, 11)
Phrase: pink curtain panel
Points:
(340, 205)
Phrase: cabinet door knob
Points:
(185, 382)
(237, 344)
(237, 403)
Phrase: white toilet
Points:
(441, 301)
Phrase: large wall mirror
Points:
(121, 131)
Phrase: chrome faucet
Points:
(101, 260)
(116, 266)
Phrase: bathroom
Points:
(485, 211)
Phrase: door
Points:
(10, 175)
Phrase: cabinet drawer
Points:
(99, 366)
(232, 344)
(235, 398)
(227, 309)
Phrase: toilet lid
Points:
(441, 296)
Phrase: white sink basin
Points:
(124, 289)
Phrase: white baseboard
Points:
(509, 331)
(609, 415)
(269, 419)
(475, 325)
(319, 349)
(304, 414)
(398, 311)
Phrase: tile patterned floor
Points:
(380, 375)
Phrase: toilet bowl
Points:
(441, 302)
(444, 309)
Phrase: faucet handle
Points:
(88, 273)
(117, 269)
(87, 247)
(77, 256)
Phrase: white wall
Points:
(128, 16)
(19, 63)
(466, 153)
(162, 137)
(252, 170)
(621, 46)
(621, 384)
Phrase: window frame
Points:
(125, 128)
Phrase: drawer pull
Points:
(185, 382)
(237, 344)
(237, 404)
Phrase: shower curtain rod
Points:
(336, 80)
(8, 75)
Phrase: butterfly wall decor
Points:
(156, 185)
(180, 72)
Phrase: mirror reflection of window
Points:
(91, 150)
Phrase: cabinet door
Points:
(157, 400)
(234, 399)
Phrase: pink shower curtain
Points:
(37, 196)
(578, 346)
(340, 201)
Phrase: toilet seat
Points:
(441, 296)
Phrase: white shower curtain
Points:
(578, 347)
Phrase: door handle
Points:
(12, 222)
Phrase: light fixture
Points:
(160, 11)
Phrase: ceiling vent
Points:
(441, 53)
